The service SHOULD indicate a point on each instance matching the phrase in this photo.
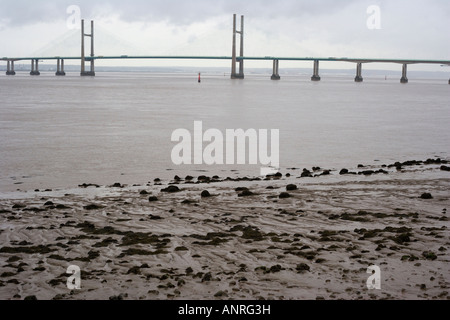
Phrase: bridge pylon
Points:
(316, 76)
(91, 72)
(235, 59)
(404, 78)
(10, 68)
(35, 68)
(276, 67)
(359, 77)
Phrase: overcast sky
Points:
(323, 28)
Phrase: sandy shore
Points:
(316, 242)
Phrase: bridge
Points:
(234, 58)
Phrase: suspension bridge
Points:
(237, 60)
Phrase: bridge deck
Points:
(125, 57)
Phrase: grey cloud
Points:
(23, 12)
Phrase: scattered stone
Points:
(284, 195)
(245, 193)
(92, 207)
(207, 277)
(48, 203)
(429, 255)
(306, 174)
(203, 179)
(143, 193)
(221, 294)
(302, 267)
(291, 187)
(205, 194)
(343, 171)
(152, 199)
(171, 189)
(426, 196)
(87, 185)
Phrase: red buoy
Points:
(199, 78)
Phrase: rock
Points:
(302, 267)
(284, 195)
(343, 171)
(205, 194)
(426, 196)
(177, 178)
(143, 193)
(306, 174)
(48, 203)
(429, 255)
(152, 199)
(291, 187)
(30, 298)
(157, 180)
(221, 294)
(203, 179)
(245, 193)
(445, 168)
(171, 189)
(326, 173)
(117, 185)
(92, 207)
(189, 178)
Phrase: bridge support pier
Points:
(35, 68)
(60, 68)
(91, 72)
(235, 59)
(359, 77)
(275, 74)
(10, 68)
(316, 76)
(404, 78)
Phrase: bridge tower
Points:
(83, 55)
(235, 59)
